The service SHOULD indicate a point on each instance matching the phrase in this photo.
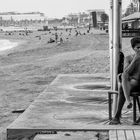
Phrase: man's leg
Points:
(121, 101)
(126, 85)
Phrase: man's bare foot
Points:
(115, 121)
(138, 120)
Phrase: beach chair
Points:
(134, 94)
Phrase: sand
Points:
(27, 69)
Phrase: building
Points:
(131, 25)
(90, 17)
(32, 19)
(132, 21)
(95, 16)
(54, 23)
(72, 19)
(81, 19)
(78, 19)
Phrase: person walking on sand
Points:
(61, 40)
(129, 80)
(56, 37)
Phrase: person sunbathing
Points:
(129, 80)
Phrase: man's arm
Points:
(129, 64)
(126, 63)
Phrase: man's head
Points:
(135, 42)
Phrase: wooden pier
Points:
(72, 103)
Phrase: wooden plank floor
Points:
(113, 135)
(124, 134)
(91, 135)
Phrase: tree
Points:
(137, 3)
(104, 18)
(130, 9)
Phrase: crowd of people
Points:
(59, 36)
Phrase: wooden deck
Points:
(68, 104)
(90, 135)
(113, 135)
(124, 134)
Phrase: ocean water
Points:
(7, 44)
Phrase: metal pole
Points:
(120, 28)
(138, 5)
(116, 46)
(111, 42)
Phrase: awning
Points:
(129, 21)
(134, 16)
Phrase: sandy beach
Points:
(27, 69)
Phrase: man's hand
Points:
(130, 63)
(138, 53)
(137, 56)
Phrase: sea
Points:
(7, 44)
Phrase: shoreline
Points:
(6, 44)
(10, 45)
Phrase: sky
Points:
(56, 8)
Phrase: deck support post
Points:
(117, 45)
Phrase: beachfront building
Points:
(78, 19)
(84, 19)
(131, 21)
(95, 16)
(131, 25)
(29, 20)
(73, 19)
(54, 23)
(81, 19)
(90, 17)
